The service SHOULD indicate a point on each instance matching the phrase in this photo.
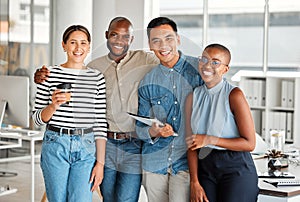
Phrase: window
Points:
(239, 25)
(24, 37)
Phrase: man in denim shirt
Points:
(162, 94)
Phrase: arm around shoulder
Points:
(41, 74)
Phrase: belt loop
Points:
(130, 136)
(60, 131)
(115, 136)
(82, 132)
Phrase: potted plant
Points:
(276, 160)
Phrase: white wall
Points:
(66, 13)
(139, 12)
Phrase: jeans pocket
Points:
(88, 142)
(50, 136)
(137, 143)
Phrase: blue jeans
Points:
(122, 171)
(67, 162)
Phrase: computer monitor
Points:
(14, 101)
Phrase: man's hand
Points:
(41, 75)
(157, 131)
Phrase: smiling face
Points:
(77, 46)
(163, 41)
(119, 38)
(213, 66)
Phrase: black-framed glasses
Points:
(213, 63)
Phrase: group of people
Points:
(200, 153)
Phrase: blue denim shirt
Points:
(162, 94)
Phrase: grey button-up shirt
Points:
(122, 81)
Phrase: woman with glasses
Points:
(220, 135)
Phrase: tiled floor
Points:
(23, 182)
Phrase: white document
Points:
(275, 123)
(282, 122)
(255, 92)
(284, 90)
(290, 94)
(249, 91)
(289, 126)
(262, 95)
(148, 121)
(263, 125)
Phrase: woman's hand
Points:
(97, 175)
(197, 193)
(197, 141)
(58, 98)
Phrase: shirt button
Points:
(174, 118)
(158, 102)
(175, 102)
(174, 87)
(172, 146)
(169, 159)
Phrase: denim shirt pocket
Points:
(161, 106)
(88, 142)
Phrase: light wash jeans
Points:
(122, 171)
(67, 162)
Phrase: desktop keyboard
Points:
(284, 183)
(288, 183)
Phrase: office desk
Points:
(32, 139)
(271, 193)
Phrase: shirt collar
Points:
(216, 88)
(177, 67)
(127, 56)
